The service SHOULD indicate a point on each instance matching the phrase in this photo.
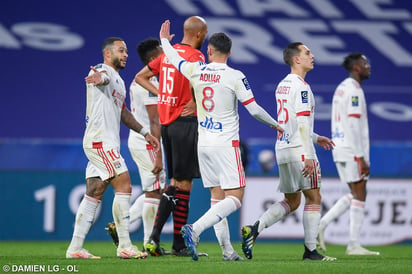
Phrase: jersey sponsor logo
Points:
(211, 125)
(336, 134)
(118, 98)
(304, 95)
(165, 99)
(285, 138)
(117, 165)
(355, 101)
(246, 83)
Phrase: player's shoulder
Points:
(190, 53)
(202, 65)
(235, 73)
(351, 86)
(295, 81)
(101, 67)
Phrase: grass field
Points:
(268, 258)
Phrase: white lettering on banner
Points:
(379, 35)
(40, 35)
(48, 195)
(187, 7)
(303, 31)
(372, 10)
(388, 206)
(7, 40)
(318, 33)
(247, 38)
(325, 8)
(392, 111)
(259, 8)
(408, 27)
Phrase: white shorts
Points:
(348, 171)
(144, 159)
(221, 166)
(104, 162)
(291, 179)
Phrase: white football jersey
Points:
(139, 99)
(217, 90)
(294, 97)
(103, 109)
(349, 101)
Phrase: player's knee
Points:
(184, 184)
(293, 203)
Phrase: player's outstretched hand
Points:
(95, 78)
(165, 31)
(325, 142)
(153, 141)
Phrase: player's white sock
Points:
(150, 207)
(84, 220)
(336, 210)
(217, 213)
(222, 233)
(273, 214)
(357, 214)
(311, 218)
(137, 208)
(120, 210)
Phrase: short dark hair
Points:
(221, 42)
(350, 60)
(109, 42)
(147, 49)
(291, 50)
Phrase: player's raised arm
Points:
(170, 52)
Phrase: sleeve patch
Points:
(246, 83)
(355, 101)
(304, 96)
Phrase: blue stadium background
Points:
(47, 47)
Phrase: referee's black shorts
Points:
(180, 145)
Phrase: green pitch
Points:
(268, 258)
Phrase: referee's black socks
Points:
(166, 205)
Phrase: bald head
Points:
(194, 25)
(194, 31)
